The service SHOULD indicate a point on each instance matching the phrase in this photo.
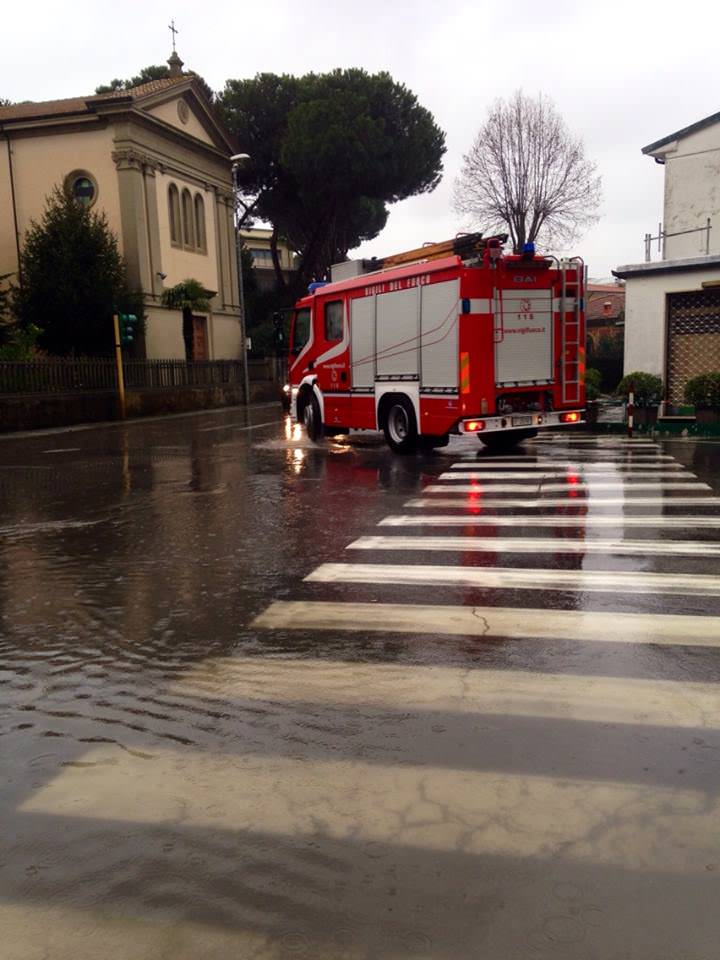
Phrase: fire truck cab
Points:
(458, 337)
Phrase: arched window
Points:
(187, 219)
(174, 214)
(200, 237)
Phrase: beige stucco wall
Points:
(646, 316)
(169, 113)
(41, 162)
(163, 334)
(225, 338)
(178, 263)
(692, 192)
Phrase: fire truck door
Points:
(332, 365)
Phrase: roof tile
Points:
(73, 105)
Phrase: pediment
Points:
(181, 112)
(183, 106)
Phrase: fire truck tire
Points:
(312, 419)
(400, 425)
(499, 442)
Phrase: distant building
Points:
(672, 319)
(257, 241)
(605, 311)
(156, 160)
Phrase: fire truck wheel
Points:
(312, 419)
(400, 425)
(499, 442)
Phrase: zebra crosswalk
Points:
(558, 569)
(582, 499)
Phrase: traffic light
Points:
(279, 331)
(128, 325)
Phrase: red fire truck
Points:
(457, 337)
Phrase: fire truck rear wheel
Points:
(312, 419)
(400, 425)
(499, 442)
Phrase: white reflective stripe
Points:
(540, 503)
(591, 475)
(475, 544)
(481, 305)
(618, 520)
(569, 304)
(586, 485)
(510, 623)
(627, 581)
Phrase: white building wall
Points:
(692, 192)
(646, 316)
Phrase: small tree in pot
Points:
(647, 393)
(703, 392)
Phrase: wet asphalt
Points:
(238, 720)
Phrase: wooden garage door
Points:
(693, 338)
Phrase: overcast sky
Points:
(623, 74)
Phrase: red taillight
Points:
(473, 426)
(569, 417)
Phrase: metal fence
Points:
(97, 374)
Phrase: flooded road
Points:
(260, 699)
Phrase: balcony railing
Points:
(92, 374)
(663, 235)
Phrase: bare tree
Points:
(526, 173)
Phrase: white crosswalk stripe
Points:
(539, 504)
(628, 485)
(580, 456)
(650, 520)
(703, 585)
(511, 623)
(572, 465)
(591, 476)
(474, 544)
(596, 442)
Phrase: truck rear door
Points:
(523, 335)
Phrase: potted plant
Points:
(647, 391)
(703, 392)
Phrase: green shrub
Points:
(21, 343)
(647, 386)
(703, 391)
(593, 382)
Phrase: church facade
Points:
(156, 159)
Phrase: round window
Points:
(81, 187)
(183, 111)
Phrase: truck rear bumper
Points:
(522, 421)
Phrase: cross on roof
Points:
(173, 30)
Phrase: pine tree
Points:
(73, 278)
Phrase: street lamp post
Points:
(236, 160)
